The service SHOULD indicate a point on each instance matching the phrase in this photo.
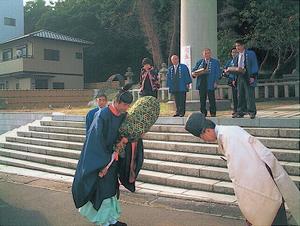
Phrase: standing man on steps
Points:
(178, 81)
(247, 61)
(207, 71)
(260, 183)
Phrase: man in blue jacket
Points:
(246, 60)
(207, 81)
(101, 101)
(178, 80)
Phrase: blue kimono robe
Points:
(178, 83)
(90, 117)
(251, 65)
(96, 154)
(231, 76)
(212, 76)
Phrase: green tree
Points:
(33, 10)
(274, 26)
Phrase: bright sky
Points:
(47, 1)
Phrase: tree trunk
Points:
(174, 43)
(264, 61)
(147, 21)
(276, 71)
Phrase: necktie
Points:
(241, 60)
(175, 68)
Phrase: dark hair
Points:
(146, 61)
(240, 41)
(100, 94)
(124, 95)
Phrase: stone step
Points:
(63, 124)
(54, 129)
(52, 136)
(184, 157)
(40, 158)
(59, 152)
(67, 128)
(279, 143)
(46, 142)
(184, 161)
(263, 132)
(179, 168)
(9, 161)
(282, 154)
(20, 170)
(186, 182)
(211, 149)
(173, 180)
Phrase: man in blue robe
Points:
(207, 81)
(101, 101)
(246, 60)
(178, 80)
(95, 195)
(232, 80)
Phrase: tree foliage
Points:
(115, 26)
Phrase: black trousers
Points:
(246, 96)
(234, 98)
(180, 100)
(204, 93)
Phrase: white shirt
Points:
(241, 60)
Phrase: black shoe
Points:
(181, 115)
(252, 116)
(118, 223)
(176, 115)
(237, 116)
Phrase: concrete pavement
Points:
(29, 201)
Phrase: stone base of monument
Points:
(194, 105)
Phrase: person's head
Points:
(174, 59)
(123, 99)
(101, 100)
(206, 53)
(240, 45)
(201, 127)
(233, 52)
(147, 63)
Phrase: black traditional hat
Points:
(196, 123)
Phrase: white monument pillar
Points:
(198, 30)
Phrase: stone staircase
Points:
(176, 163)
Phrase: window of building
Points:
(21, 51)
(6, 85)
(78, 55)
(7, 54)
(2, 86)
(58, 85)
(41, 84)
(9, 21)
(17, 85)
(51, 54)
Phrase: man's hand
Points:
(252, 80)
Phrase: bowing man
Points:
(260, 183)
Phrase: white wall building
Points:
(11, 19)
